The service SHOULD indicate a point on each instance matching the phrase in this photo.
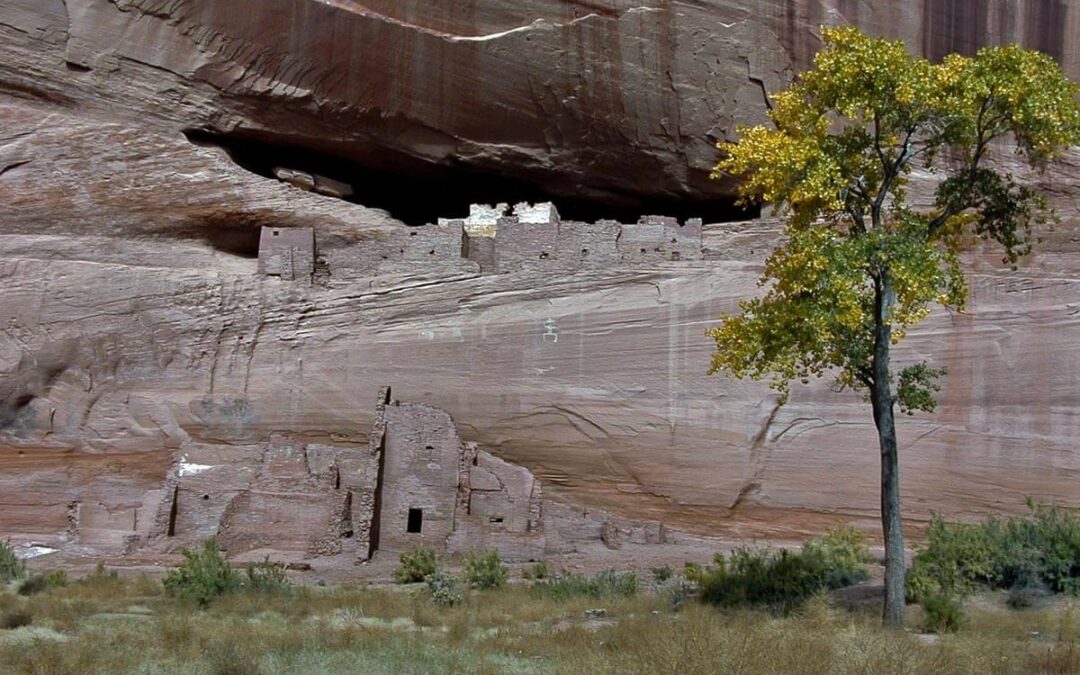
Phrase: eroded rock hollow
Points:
(148, 147)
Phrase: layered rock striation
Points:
(145, 146)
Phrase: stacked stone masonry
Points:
(287, 252)
(496, 243)
(416, 483)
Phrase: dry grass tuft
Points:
(114, 625)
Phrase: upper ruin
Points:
(499, 241)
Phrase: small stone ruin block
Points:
(287, 252)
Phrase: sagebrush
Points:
(204, 575)
(485, 570)
(781, 579)
(606, 584)
(11, 567)
(415, 566)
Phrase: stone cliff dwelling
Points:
(489, 240)
(287, 252)
(415, 483)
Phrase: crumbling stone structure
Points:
(287, 252)
(440, 492)
(407, 250)
(487, 241)
(535, 236)
(416, 483)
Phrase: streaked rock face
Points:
(134, 324)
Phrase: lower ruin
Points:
(415, 484)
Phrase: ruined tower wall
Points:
(420, 474)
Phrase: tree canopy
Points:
(858, 264)
(836, 162)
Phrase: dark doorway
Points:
(416, 521)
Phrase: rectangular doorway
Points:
(416, 521)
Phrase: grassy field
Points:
(109, 625)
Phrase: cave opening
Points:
(419, 193)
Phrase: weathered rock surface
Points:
(621, 99)
(134, 323)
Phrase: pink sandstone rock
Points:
(135, 329)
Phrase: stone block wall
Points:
(657, 238)
(283, 496)
(287, 252)
(412, 249)
(534, 237)
(414, 484)
(589, 245)
(421, 454)
(520, 245)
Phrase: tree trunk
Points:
(882, 400)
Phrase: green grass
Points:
(107, 625)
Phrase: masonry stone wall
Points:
(416, 483)
(420, 475)
(412, 249)
(287, 252)
(489, 241)
(282, 496)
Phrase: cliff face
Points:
(134, 322)
(615, 100)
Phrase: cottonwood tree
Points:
(858, 265)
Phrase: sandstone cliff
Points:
(138, 140)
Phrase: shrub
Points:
(484, 570)
(1042, 548)
(536, 572)
(677, 591)
(43, 582)
(16, 618)
(781, 579)
(445, 590)
(416, 566)
(267, 577)
(11, 567)
(205, 575)
(694, 572)
(844, 552)
(944, 613)
(102, 573)
(607, 584)
(662, 574)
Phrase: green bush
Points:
(662, 574)
(782, 579)
(842, 550)
(11, 567)
(607, 584)
(43, 582)
(536, 572)
(695, 572)
(1040, 549)
(944, 613)
(205, 575)
(416, 566)
(484, 569)
(445, 590)
(267, 577)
